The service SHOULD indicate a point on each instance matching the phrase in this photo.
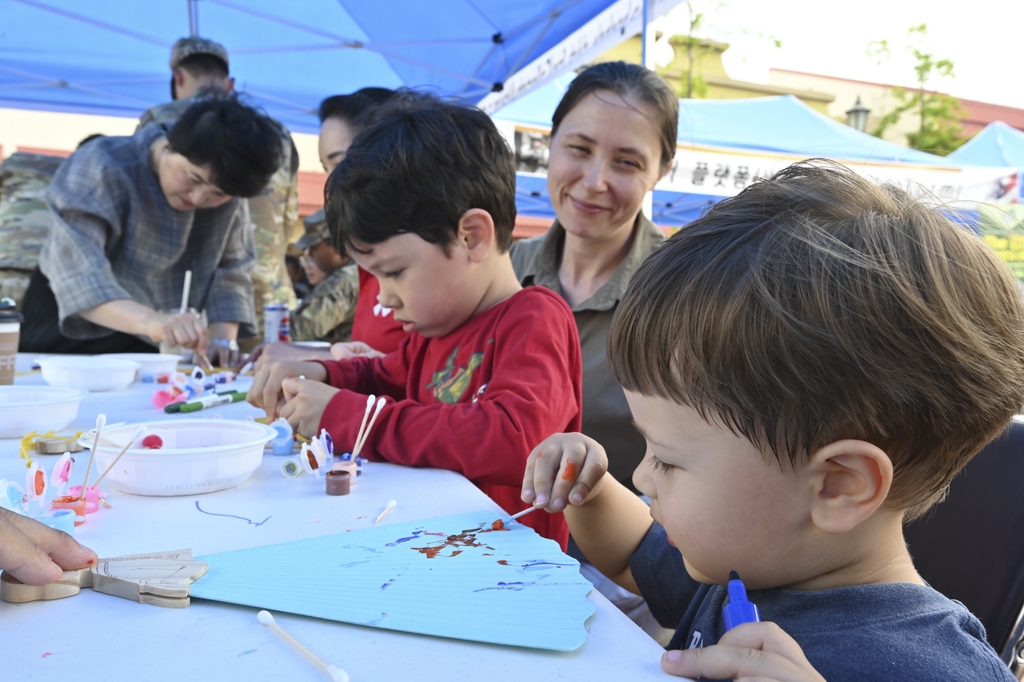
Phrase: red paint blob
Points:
(153, 442)
(503, 562)
(39, 483)
(570, 471)
(498, 525)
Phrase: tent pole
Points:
(647, 38)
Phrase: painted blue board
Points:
(451, 576)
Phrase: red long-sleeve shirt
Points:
(373, 324)
(476, 401)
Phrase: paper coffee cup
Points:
(9, 332)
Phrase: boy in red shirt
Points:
(425, 201)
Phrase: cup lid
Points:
(9, 311)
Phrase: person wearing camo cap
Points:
(199, 69)
(326, 312)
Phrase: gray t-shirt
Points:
(893, 631)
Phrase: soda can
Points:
(276, 324)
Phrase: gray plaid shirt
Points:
(114, 236)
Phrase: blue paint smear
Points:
(537, 565)
(385, 585)
(250, 651)
(232, 516)
(515, 587)
(352, 563)
(415, 535)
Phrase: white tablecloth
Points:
(99, 637)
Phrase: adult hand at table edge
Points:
(354, 349)
(36, 554)
(751, 651)
(283, 351)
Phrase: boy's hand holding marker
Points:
(751, 651)
(564, 468)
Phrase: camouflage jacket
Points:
(24, 218)
(326, 313)
(274, 215)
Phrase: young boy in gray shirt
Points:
(811, 362)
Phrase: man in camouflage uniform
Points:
(24, 218)
(326, 312)
(199, 68)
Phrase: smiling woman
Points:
(613, 138)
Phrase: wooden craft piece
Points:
(160, 579)
(56, 446)
(16, 592)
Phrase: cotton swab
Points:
(387, 510)
(185, 291)
(333, 672)
(499, 524)
(362, 424)
(138, 434)
(362, 441)
(101, 420)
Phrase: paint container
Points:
(59, 519)
(74, 504)
(282, 444)
(292, 468)
(338, 482)
(92, 497)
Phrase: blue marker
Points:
(738, 610)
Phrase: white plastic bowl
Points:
(152, 363)
(88, 372)
(198, 456)
(37, 408)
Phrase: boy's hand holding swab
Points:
(564, 469)
(304, 403)
(266, 391)
(761, 651)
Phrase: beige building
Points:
(879, 99)
(707, 58)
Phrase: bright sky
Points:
(983, 39)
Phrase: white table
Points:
(99, 637)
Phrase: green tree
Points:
(939, 131)
(693, 83)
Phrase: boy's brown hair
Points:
(816, 306)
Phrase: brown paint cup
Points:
(338, 482)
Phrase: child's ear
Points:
(476, 233)
(850, 479)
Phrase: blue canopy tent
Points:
(111, 57)
(775, 126)
(997, 145)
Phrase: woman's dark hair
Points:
(417, 169)
(240, 146)
(351, 107)
(627, 80)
